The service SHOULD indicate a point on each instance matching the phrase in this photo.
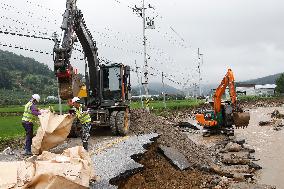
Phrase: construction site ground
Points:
(210, 161)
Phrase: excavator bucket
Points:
(65, 90)
(241, 119)
(70, 88)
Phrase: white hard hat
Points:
(76, 99)
(36, 97)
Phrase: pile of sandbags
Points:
(73, 169)
(53, 131)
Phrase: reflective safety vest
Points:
(28, 116)
(84, 117)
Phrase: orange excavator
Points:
(226, 114)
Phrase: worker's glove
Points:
(43, 111)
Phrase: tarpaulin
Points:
(53, 130)
(73, 169)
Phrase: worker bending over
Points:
(30, 114)
(85, 120)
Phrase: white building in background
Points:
(265, 90)
(246, 89)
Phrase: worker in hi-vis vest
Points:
(30, 115)
(84, 117)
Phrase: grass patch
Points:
(20, 109)
(171, 104)
(11, 128)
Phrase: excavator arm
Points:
(228, 80)
(74, 28)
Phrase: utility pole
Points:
(164, 92)
(139, 84)
(200, 62)
(147, 23)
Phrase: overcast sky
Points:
(245, 35)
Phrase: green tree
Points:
(280, 84)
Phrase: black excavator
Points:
(105, 88)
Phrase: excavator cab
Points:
(115, 83)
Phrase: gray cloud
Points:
(246, 36)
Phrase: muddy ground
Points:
(202, 155)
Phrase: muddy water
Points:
(269, 146)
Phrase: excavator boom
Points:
(228, 80)
(74, 28)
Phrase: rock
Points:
(240, 141)
(8, 151)
(234, 159)
(254, 166)
(265, 123)
(233, 147)
(236, 169)
(241, 177)
(276, 114)
(250, 150)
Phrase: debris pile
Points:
(72, 169)
(276, 122)
(142, 123)
(236, 161)
(269, 102)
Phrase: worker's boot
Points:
(85, 145)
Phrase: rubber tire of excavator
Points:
(112, 123)
(123, 122)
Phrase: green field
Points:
(171, 104)
(20, 109)
(11, 127)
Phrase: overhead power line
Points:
(24, 35)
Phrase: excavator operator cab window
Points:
(111, 83)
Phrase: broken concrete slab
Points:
(244, 155)
(254, 166)
(235, 159)
(175, 157)
(233, 147)
(117, 160)
(236, 169)
(242, 177)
